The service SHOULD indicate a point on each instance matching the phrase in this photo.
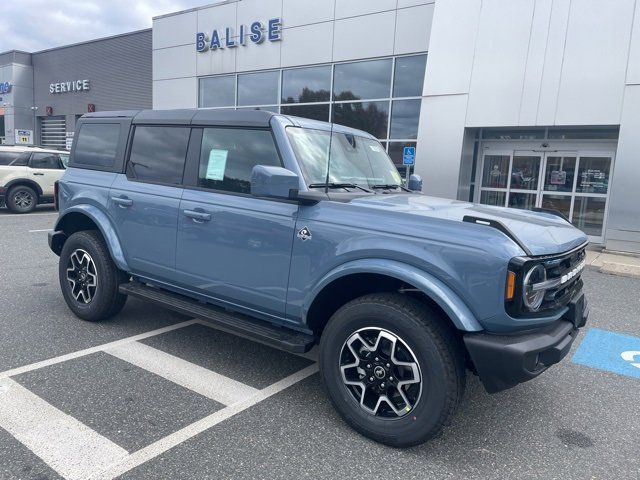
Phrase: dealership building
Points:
(526, 104)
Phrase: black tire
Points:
(21, 199)
(431, 342)
(104, 299)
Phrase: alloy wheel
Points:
(82, 276)
(23, 200)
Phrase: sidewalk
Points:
(614, 263)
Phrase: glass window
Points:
(396, 150)
(314, 112)
(362, 80)
(588, 214)
(559, 174)
(522, 200)
(593, 175)
(354, 159)
(65, 159)
(493, 198)
(218, 91)
(306, 85)
(496, 171)
(512, 134)
(266, 108)
(405, 115)
(578, 133)
(158, 154)
(22, 160)
(228, 156)
(525, 171)
(7, 157)
(49, 161)
(560, 203)
(372, 117)
(97, 144)
(258, 88)
(409, 76)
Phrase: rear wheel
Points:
(88, 277)
(392, 368)
(21, 199)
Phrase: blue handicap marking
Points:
(610, 351)
(409, 156)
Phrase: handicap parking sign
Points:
(610, 351)
(409, 156)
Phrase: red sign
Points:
(91, 108)
(49, 111)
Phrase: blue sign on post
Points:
(409, 156)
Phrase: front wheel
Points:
(392, 368)
(88, 277)
(21, 199)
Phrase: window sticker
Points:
(217, 164)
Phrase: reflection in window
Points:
(306, 85)
(405, 115)
(314, 112)
(409, 76)
(588, 214)
(362, 80)
(158, 154)
(258, 88)
(525, 171)
(266, 108)
(593, 175)
(559, 174)
(493, 198)
(496, 171)
(372, 117)
(396, 152)
(560, 203)
(218, 91)
(522, 200)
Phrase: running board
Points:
(237, 324)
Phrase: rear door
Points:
(45, 169)
(145, 200)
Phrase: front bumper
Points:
(504, 361)
(56, 241)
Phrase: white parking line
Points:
(190, 431)
(38, 231)
(68, 446)
(189, 375)
(28, 215)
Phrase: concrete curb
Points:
(614, 264)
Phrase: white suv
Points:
(29, 179)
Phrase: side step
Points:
(237, 324)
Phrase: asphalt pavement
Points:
(132, 397)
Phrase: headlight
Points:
(531, 296)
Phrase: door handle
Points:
(38, 173)
(198, 217)
(122, 202)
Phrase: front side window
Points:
(22, 160)
(7, 157)
(158, 154)
(353, 160)
(97, 144)
(228, 155)
(49, 161)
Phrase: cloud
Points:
(34, 25)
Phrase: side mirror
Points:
(415, 183)
(274, 182)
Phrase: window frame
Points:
(192, 169)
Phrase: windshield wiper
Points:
(391, 186)
(339, 185)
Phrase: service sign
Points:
(257, 32)
(71, 86)
(24, 137)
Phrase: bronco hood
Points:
(541, 233)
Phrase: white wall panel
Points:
(252, 10)
(439, 153)
(258, 57)
(351, 8)
(364, 37)
(218, 17)
(499, 63)
(451, 49)
(595, 62)
(535, 62)
(215, 62)
(633, 73)
(176, 93)
(295, 12)
(175, 30)
(174, 62)
(413, 3)
(308, 44)
(413, 29)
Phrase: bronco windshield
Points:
(354, 160)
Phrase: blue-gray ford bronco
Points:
(294, 232)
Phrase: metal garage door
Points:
(53, 132)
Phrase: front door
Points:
(233, 247)
(575, 183)
(45, 169)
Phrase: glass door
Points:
(574, 183)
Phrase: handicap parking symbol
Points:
(610, 351)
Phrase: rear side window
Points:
(97, 145)
(158, 154)
(49, 161)
(228, 156)
(7, 157)
(22, 160)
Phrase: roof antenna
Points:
(326, 184)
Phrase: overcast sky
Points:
(33, 25)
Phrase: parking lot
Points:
(151, 394)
